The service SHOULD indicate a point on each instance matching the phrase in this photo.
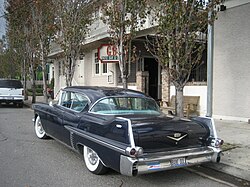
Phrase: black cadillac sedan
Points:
(125, 130)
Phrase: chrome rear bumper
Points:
(148, 163)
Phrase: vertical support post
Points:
(210, 48)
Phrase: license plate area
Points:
(7, 98)
(177, 162)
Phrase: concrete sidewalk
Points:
(236, 149)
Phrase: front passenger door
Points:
(73, 104)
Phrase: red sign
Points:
(108, 53)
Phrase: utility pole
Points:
(210, 55)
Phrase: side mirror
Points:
(51, 103)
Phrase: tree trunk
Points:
(121, 48)
(25, 80)
(124, 82)
(33, 88)
(70, 71)
(45, 86)
(179, 102)
(32, 72)
(67, 71)
(165, 86)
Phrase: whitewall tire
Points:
(40, 132)
(93, 162)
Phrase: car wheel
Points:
(93, 162)
(19, 105)
(40, 133)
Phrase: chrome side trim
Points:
(130, 131)
(213, 127)
(85, 135)
(72, 141)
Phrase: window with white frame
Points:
(96, 64)
(104, 68)
(99, 68)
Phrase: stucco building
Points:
(231, 93)
(231, 77)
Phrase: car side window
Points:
(79, 102)
(104, 105)
(73, 101)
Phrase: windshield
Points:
(126, 105)
(10, 84)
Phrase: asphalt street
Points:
(26, 161)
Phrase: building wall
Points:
(85, 73)
(195, 91)
(101, 79)
(231, 94)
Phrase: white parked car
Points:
(11, 91)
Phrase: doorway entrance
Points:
(151, 65)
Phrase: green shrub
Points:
(39, 91)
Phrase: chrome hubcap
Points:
(92, 156)
(40, 128)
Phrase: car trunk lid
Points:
(163, 133)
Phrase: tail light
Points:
(215, 142)
(23, 92)
(134, 152)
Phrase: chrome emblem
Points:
(177, 137)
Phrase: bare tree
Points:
(21, 37)
(176, 44)
(124, 18)
(43, 23)
(72, 20)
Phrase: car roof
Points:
(97, 92)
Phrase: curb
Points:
(231, 170)
(29, 105)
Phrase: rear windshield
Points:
(126, 106)
(10, 84)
